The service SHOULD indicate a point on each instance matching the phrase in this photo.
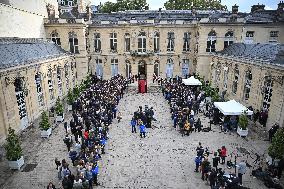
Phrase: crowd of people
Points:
(87, 132)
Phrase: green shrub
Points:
(276, 149)
(44, 124)
(13, 146)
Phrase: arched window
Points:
(236, 80)
(156, 42)
(142, 42)
(170, 68)
(73, 43)
(229, 39)
(157, 67)
(211, 41)
(55, 38)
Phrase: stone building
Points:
(252, 74)
(33, 74)
(167, 43)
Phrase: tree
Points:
(70, 97)
(59, 107)
(194, 4)
(44, 124)
(122, 5)
(276, 149)
(13, 146)
(243, 120)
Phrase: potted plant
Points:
(14, 152)
(276, 148)
(243, 124)
(45, 125)
(59, 111)
(76, 92)
(70, 100)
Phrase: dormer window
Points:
(273, 38)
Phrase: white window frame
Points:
(97, 42)
(54, 37)
(156, 42)
(113, 42)
(229, 39)
(186, 42)
(171, 42)
(212, 38)
(114, 67)
(142, 44)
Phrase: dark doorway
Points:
(142, 69)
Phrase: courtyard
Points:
(164, 159)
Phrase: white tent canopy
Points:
(232, 108)
(191, 81)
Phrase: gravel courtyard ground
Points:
(164, 159)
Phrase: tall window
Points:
(38, 82)
(211, 42)
(229, 39)
(127, 42)
(186, 41)
(66, 73)
(142, 42)
(171, 42)
(73, 66)
(273, 37)
(73, 43)
(62, 2)
(97, 42)
(185, 67)
(225, 81)
(249, 37)
(50, 84)
(71, 3)
(55, 38)
(156, 42)
(267, 92)
(114, 67)
(170, 68)
(59, 81)
(113, 42)
(236, 80)
(99, 68)
(157, 67)
(248, 78)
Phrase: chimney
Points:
(235, 9)
(257, 7)
(281, 5)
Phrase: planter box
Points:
(46, 133)
(16, 164)
(60, 118)
(242, 133)
(70, 108)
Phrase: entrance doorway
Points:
(157, 68)
(142, 69)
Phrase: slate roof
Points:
(272, 53)
(21, 51)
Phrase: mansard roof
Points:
(22, 51)
(261, 16)
(269, 52)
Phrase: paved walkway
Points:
(164, 159)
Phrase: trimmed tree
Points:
(44, 124)
(243, 120)
(59, 107)
(13, 146)
(70, 97)
(276, 149)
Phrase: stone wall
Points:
(9, 107)
(24, 19)
(259, 72)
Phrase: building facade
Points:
(167, 43)
(33, 74)
(252, 74)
